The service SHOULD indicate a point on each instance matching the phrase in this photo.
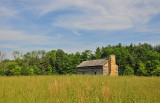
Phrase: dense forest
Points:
(141, 60)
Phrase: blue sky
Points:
(77, 25)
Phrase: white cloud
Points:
(94, 23)
(77, 33)
(6, 12)
(93, 14)
(107, 14)
(80, 47)
(10, 46)
(18, 40)
(20, 36)
(11, 35)
(87, 15)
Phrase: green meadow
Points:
(79, 89)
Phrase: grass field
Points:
(79, 89)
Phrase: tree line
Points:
(142, 60)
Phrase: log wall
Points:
(90, 70)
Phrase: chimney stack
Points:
(112, 59)
(113, 68)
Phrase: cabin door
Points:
(95, 73)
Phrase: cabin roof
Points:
(97, 62)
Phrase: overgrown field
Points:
(79, 89)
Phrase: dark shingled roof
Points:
(97, 62)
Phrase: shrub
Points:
(156, 72)
(128, 71)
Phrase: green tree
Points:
(25, 69)
(36, 70)
(31, 71)
(1, 71)
(156, 72)
(2, 62)
(98, 53)
(86, 55)
(128, 71)
(13, 69)
(141, 70)
(53, 58)
(49, 70)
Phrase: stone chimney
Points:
(112, 59)
(113, 68)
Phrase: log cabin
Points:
(99, 67)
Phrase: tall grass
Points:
(79, 89)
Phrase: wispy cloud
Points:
(77, 33)
(11, 35)
(75, 25)
(18, 39)
(7, 12)
(92, 14)
(109, 15)
(10, 46)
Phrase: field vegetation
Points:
(79, 89)
(50, 77)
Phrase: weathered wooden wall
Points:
(106, 69)
(90, 70)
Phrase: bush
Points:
(49, 70)
(128, 71)
(156, 72)
(141, 70)
(31, 72)
(36, 70)
(13, 69)
(1, 71)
